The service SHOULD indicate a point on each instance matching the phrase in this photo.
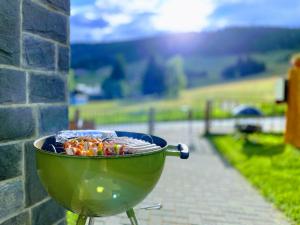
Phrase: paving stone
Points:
(63, 59)
(62, 222)
(12, 86)
(46, 88)
(39, 20)
(10, 32)
(38, 53)
(16, 123)
(47, 213)
(53, 119)
(63, 5)
(35, 191)
(21, 219)
(10, 161)
(11, 197)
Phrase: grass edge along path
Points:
(270, 166)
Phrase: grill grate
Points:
(134, 145)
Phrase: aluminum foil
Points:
(64, 135)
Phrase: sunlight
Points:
(182, 16)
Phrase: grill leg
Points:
(81, 220)
(131, 216)
(91, 221)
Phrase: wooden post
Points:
(151, 121)
(207, 118)
(292, 133)
(190, 132)
(76, 119)
(74, 124)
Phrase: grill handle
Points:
(180, 150)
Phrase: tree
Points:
(247, 66)
(118, 72)
(115, 86)
(71, 81)
(175, 76)
(244, 66)
(153, 81)
(229, 72)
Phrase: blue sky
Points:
(114, 20)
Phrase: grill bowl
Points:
(101, 186)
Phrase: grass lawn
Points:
(71, 218)
(125, 111)
(272, 167)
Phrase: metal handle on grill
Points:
(180, 150)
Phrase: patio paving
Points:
(203, 190)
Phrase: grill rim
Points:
(102, 156)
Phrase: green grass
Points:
(71, 218)
(272, 167)
(126, 111)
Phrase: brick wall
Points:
(34, 61)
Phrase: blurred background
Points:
(163, 60)
(180, 69)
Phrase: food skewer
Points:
(91, 146)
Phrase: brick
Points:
(63, 59)
(11, 197)
(53, 119)
(35, 191)
(10, 161)
(44, 88)
(16, 123)
(10, 32)
(62, 5)
(38, 53)
(39, 20)
(12, 86)
(47, 213)
(21, 219)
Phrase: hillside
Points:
(200, 70)
(226, 42)
(136, 110)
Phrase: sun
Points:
(183, 15)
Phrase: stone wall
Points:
(34, 61)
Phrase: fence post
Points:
(76, 119)
(151, 121)
(207, 118)
(190, 131)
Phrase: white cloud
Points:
(187, 15)
(98, 20)
(91, 15)
(97, 34)
(129, 6)
(117, 19)
(75, 10)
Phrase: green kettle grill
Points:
(102, 186)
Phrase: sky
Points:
(116, 20)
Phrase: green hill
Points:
(229, 41)
(206, 55)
